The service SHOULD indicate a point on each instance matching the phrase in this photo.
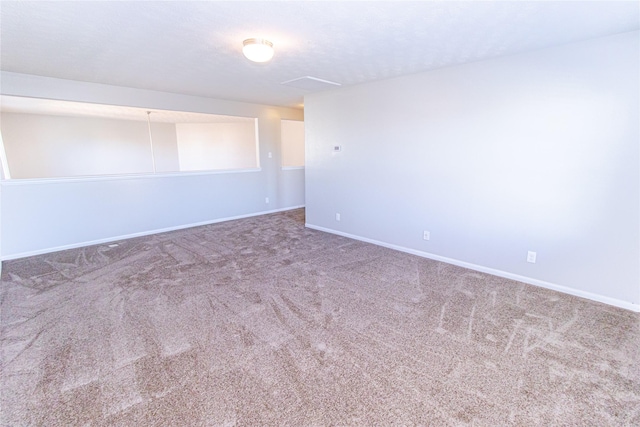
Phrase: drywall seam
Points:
(140, 234)
(564, 289)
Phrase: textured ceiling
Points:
(195, 47)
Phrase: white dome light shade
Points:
(258, 50)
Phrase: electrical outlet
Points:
(270, 155)
(337, 148)
(337, 217)
(531, 257)
(426, 235)
(266, 200)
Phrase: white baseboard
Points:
(140, 234)
(564, 289)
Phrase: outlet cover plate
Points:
(531, 257)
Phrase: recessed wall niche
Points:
(43, 138)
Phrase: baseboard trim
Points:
(140, 234)
(564, 289)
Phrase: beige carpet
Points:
(263, 322)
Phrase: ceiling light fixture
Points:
(257, 50)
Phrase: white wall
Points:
(38, 146)
(538, 151)
(205, 146)
(40, 216)
(292, 143)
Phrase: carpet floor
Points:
(260, 321)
